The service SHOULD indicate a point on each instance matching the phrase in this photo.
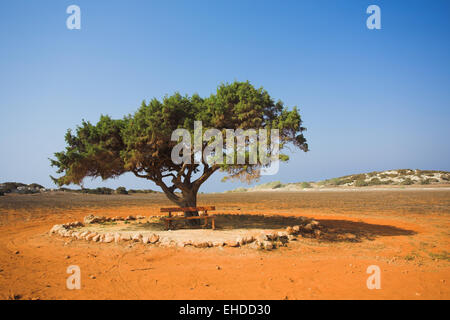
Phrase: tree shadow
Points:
(330, 230)
(353, 231)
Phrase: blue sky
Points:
(371, 99)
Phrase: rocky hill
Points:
(400, 177)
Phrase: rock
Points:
(290, 230)
(315, 223)
(136, 237)
(291, 237)
(90, 236)
(248, 239)
(93, 219)
(267, 245)
(117, 237)
(280, 243)
(130, 218)
(78, 224)
(108, 239)
(187, 243)
(231, 243)
(145, 239)
(317, 233)
(80, 236)
(282, 234)
(261, 237)
(84, 234)
(201, 244)
(273, 236)
(308, 227)
(75, 234)
(255, 245)
(154, 238)
(140, 217)
(296, 229)
(56, 228)
(96, 238)
(125, 237)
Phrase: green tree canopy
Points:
(141, 143)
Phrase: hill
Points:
(400, 177)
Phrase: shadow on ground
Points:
(330, 230)
(342, 230)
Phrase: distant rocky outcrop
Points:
(21, 188)
(400, 177)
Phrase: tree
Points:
(142, 143)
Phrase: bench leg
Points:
(213, 226)
(169, 224)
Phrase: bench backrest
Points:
(187, 209)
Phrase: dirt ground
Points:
(405, 232)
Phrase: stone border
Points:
(266, 240)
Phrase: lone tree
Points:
(142, 143)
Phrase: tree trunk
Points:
(190, 200)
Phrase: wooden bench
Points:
(170, 218)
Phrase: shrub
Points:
(360, 176)
(141, 191)
(361, 183)
(305, 185)
(121, 190)
(2, 193)
(375, 182)
(407, 182)
(35, 186)
(98, 191)
(372, 174)
(338, 181)
(425, 181)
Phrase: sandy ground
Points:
(406, 234)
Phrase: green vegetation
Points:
(407, 182)
(444, 255)
(270, 185)
(361, 183)
(305, 185)
(121, 190)
(142, 191)
(237, 190)
(375, 182)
